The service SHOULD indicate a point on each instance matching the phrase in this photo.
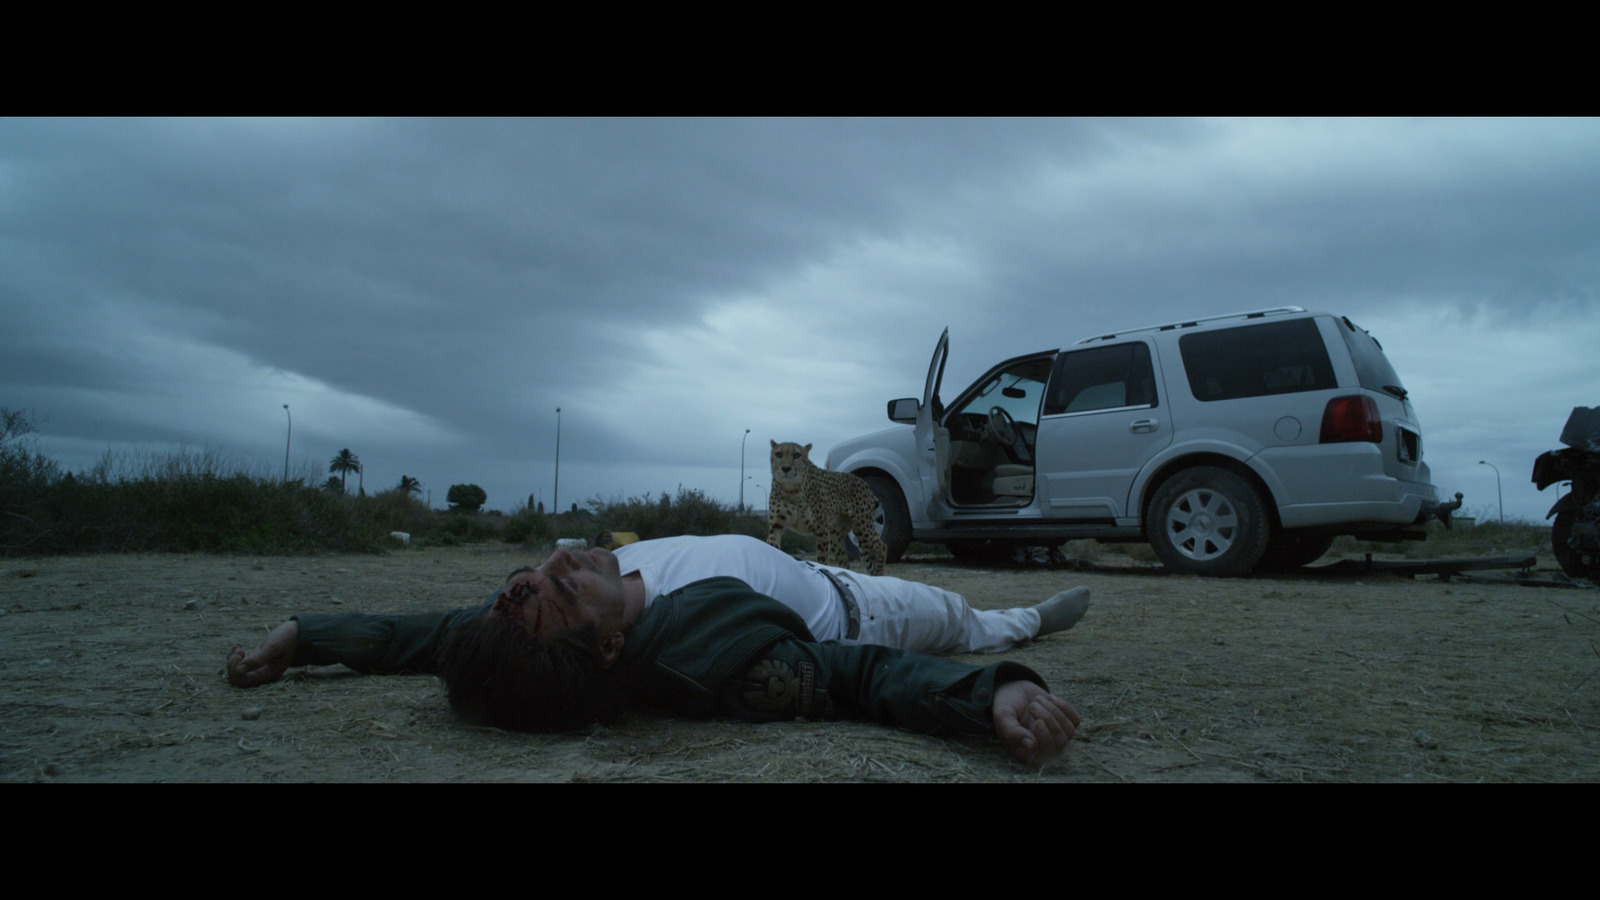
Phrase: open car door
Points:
(933, 439)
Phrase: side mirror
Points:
(903, 410)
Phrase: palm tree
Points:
(343, 464)
(409, 485)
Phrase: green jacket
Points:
(715, 648)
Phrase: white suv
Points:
(1230, 443)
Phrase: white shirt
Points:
(667, 564)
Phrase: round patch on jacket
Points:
(770, 685)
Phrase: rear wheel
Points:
(1572, 561)
(892, 518)
(1208, 521)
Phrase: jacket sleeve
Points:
(378, 645)
(829, 680)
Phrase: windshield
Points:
(1016, 390)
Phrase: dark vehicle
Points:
(1573, 535)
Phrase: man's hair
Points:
(496, 674)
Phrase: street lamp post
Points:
(286, 438)
(741, 468)
(555, 496)
(1499, 498)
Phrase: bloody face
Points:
(571, 590)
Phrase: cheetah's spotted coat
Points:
(827, 505)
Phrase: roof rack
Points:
(1190, 323)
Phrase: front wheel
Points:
(1208, 521)
(892, 518)
(1572, 561)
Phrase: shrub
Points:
(467, 528)
(466, 497)
(186, 500)
(527, 526)
(691, 512)
(1514, 537)
(20, 463)
(204, 500)
(396, 510)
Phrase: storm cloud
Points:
(428, 292)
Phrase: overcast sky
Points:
(428, 292)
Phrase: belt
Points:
(852, 610)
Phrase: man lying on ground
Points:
(572, 642)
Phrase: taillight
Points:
(1353, 418)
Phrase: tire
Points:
(892, 516)
(1569, 559)
(1208, 521)
(1288, 550)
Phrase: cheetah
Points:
(827, 505)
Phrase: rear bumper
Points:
(1347, 487)
(1404, 503)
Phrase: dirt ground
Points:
(112, 671)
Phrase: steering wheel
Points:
(1002, 427)
(1003, 430)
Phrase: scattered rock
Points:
(1425, 741)
(251, 714)
(190, 603)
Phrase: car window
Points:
(1016, 390)
(1102, 378)
(1257, 360)
(1373, 370)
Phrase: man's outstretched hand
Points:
(1034, 723)
(268, 661)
